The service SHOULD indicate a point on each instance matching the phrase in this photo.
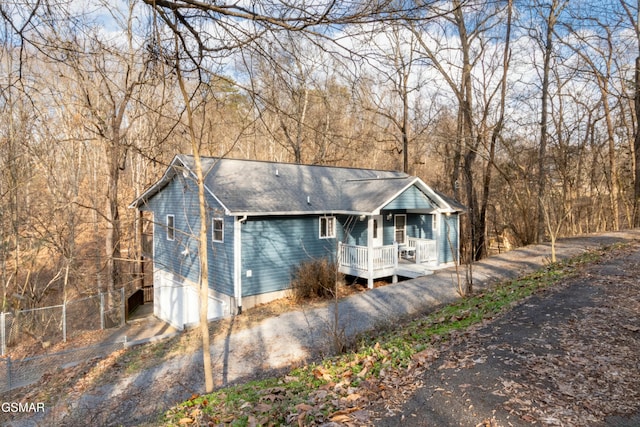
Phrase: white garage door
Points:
(176, 301)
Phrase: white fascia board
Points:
(208, 190)
(226, 209)
(167, 177)
(398, 193)
(158, 185)
(298, 213)
(444, 206)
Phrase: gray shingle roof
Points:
(249, 187)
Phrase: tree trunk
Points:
(486, 187)
(112, 240)
(542, 149)
(636, 149)
(203, 247)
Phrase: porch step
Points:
(413, 271)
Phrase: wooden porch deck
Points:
(412, 270)
(416, 259)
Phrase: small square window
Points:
(327, 227)
(171, 231)
(218, 230)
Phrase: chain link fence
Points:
(16, 373)
(56, 323)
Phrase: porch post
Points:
(437, 217)
(370, 252)
(394, 278)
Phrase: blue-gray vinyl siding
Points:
(420, 226)
(411, 198)
(272, 246)
(388, 231)
(355, 229)
(221, 256)
(180, 256)
(449, 248)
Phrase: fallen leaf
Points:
(321, 373)
(425, 356)
(303, 407)
(449, 364)
(341, 418)
(345, 411)
(353, 397)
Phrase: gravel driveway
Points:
(286, 340)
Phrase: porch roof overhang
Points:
(440, 203)
(295, 213)
(413, 211)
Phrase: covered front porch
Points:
(414, 258)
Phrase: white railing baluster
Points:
(424, 249)
(355, 256)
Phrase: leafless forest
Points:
(526, 111)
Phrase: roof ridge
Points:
(295, 164)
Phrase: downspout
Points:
(237, 261)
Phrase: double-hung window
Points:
(217, 230)
(327, 227)
(171, 231)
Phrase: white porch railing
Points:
(357, 257)
(385, 257)
(425, 250)
(353, 256)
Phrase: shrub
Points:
(314, 278)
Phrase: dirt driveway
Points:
(569, 356)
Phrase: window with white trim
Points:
(171, 231)
(327, 227)
(217, 230)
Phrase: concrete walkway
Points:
(296, 337)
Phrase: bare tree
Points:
(474, 103)
(393, 93)
(555, 8)
(632, 15)
(108, 78)
(203, 247)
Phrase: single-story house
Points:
(267, 217)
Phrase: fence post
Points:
(64, 322)
(101, 310)
(2, 332)
(9, 372)
(122, 306)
